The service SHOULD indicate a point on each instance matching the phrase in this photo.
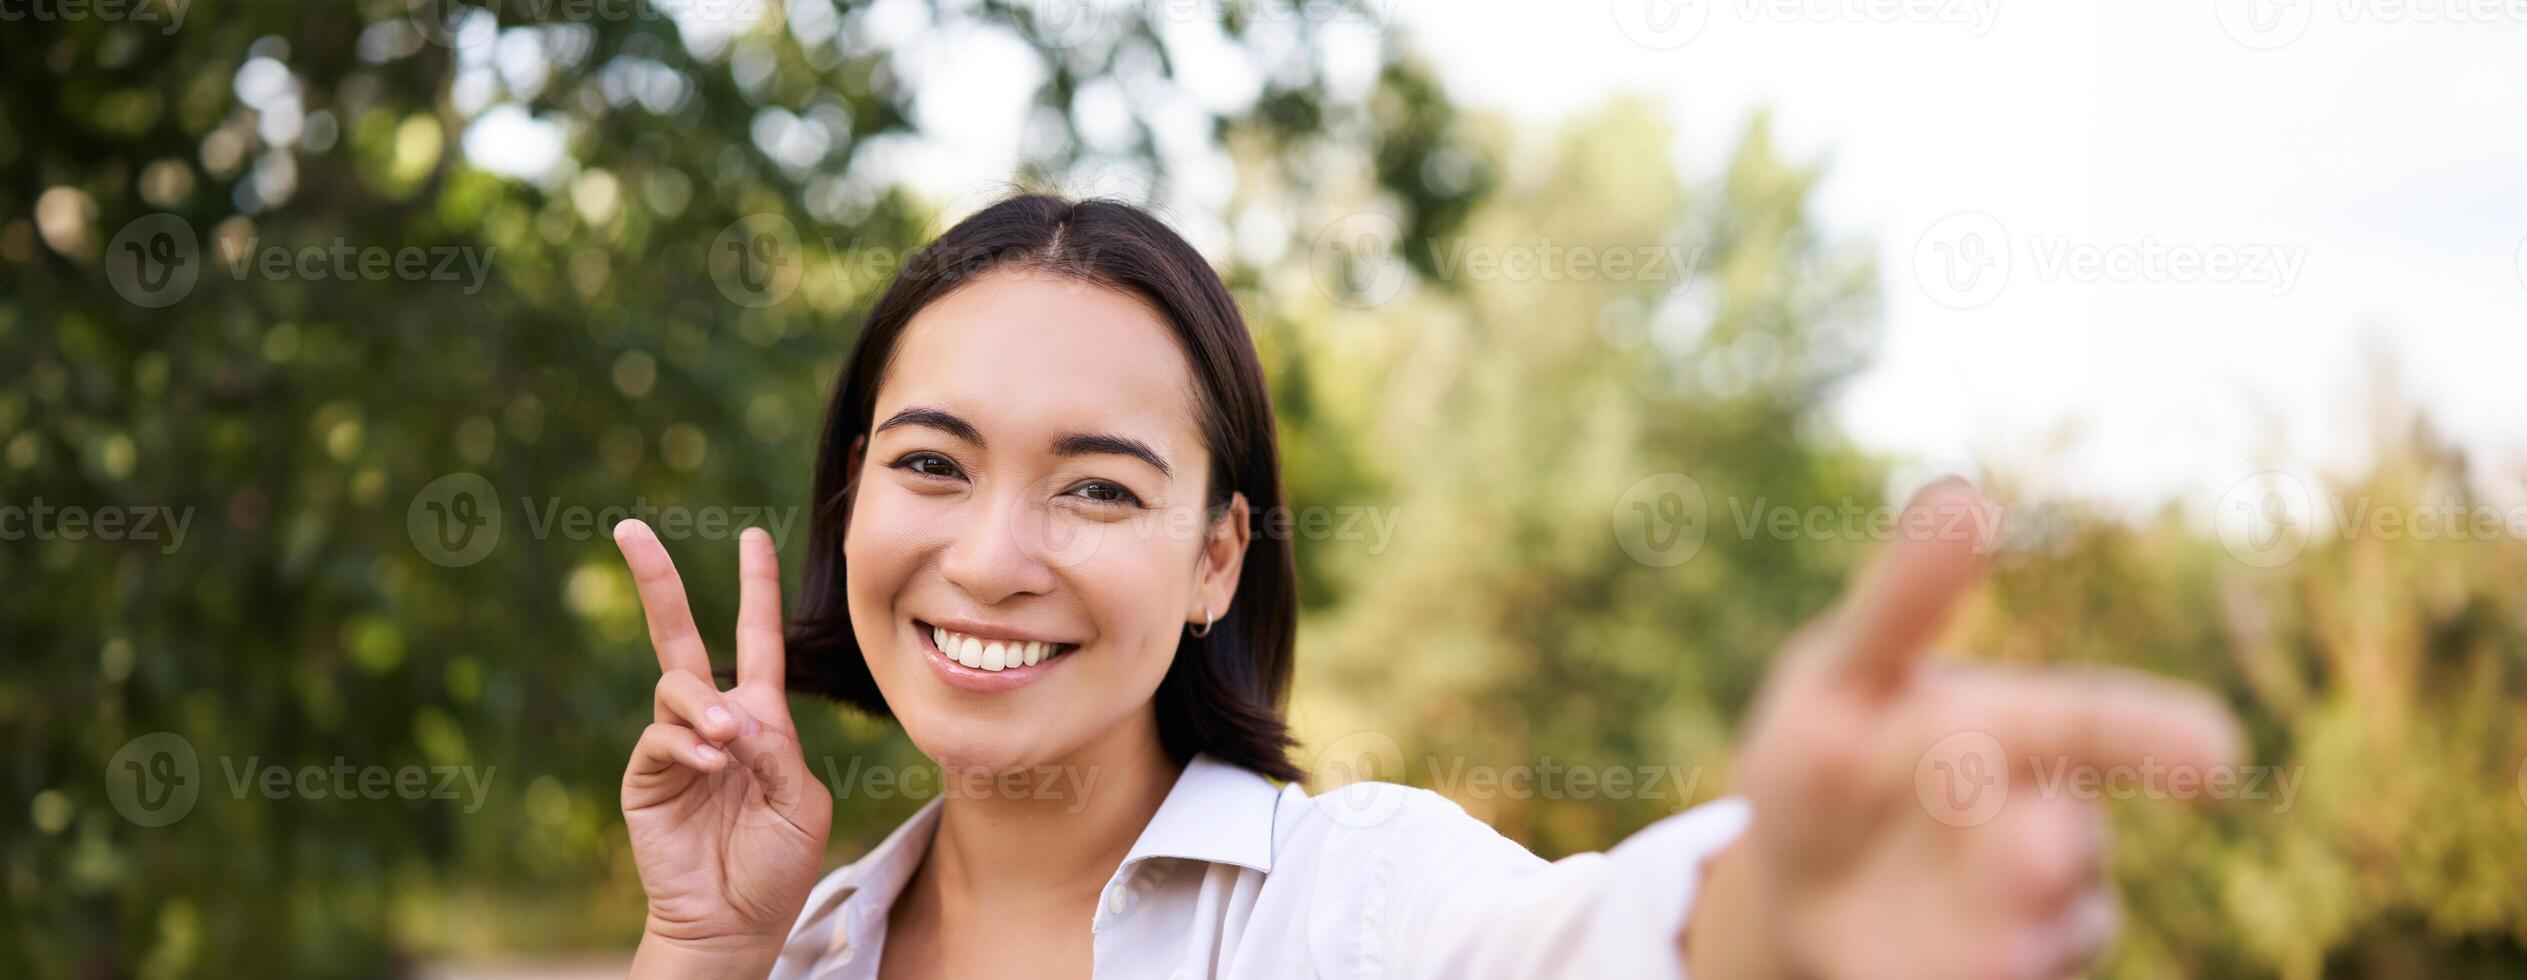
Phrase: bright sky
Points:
(2360, 166)
(2140, 250)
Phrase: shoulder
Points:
(1416, 886)
(1370, 827)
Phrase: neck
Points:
(1049, 835)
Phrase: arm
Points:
(1443, 895)
(1726, 934)
(1890, 825)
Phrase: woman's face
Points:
(1032, 491)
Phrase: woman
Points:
(1034, 546)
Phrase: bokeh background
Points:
(1828, 249)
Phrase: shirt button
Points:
(1114, 900)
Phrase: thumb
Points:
(780, 773)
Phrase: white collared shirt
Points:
(1237, 878)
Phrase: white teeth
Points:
(983, 654)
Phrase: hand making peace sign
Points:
(1899, 828)
(728, 826)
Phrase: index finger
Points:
(1901, 603)
(759, 653)
(2106, 719)
(671, 629)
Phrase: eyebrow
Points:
(931, 418)
(1068, 444)
(1098, 444)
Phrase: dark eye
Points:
(1105, 492)
(928, 464)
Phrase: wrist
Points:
(715, 958)
(1732, 931)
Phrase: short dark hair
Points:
(1224, 692)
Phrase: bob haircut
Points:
(1224, 692)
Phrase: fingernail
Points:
(708, 755)
(719, 717)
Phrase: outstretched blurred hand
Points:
(1900, 829)
(728, 825)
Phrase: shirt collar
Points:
(871, 883)
(1217, 812)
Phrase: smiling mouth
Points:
(990, 653)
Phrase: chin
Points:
(978, 745)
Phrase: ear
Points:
(1223, 558)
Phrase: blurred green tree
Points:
(646, 233)
(658, 233)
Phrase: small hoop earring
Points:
(1204, 629)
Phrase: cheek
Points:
(1135, 582)
(880, 549)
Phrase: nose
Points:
(995, 557)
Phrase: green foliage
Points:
(1498, 420)
(297, 415)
